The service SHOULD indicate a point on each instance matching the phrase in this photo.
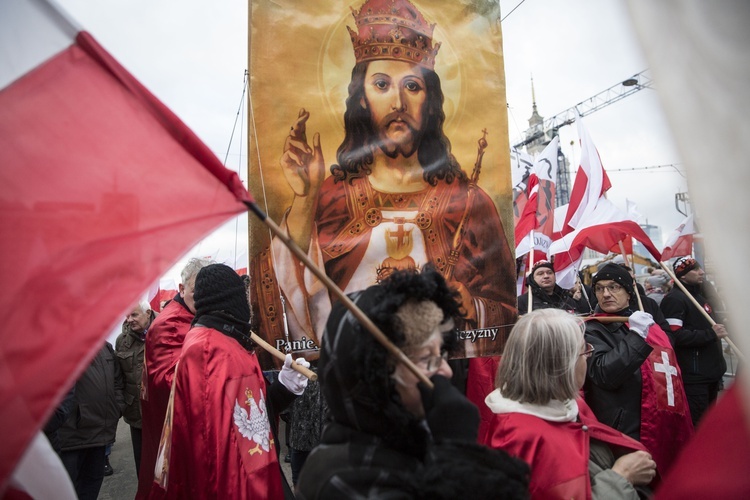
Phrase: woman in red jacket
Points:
(540, 417)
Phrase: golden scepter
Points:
(458, 238)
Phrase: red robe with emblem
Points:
(221, 440)
(558, 452)
(163, 348)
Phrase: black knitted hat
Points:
(220, 291)
(542, 263)
(684, 265)
(616, 273)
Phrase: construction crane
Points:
(547, 130)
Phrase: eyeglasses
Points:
(432, 363)
(612, 288)
(588, 352)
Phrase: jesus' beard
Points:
(392, 148)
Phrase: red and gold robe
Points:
(361, 234)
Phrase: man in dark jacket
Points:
(97, 405)
(545, 292)
(130, 347)
(697, 343)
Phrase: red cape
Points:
(220, 444)
(558, 452)
(163, 348)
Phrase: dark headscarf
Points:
(355, 369)
(221, 302)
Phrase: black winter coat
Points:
(97, 404)
(613, 377)
(697, 347)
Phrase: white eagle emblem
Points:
(256, 426)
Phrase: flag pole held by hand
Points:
(700, 308)
(281, 356)
(635, 283)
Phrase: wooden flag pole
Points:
(531, 266)
(281, 356)
(356, 311)
(635, 283)
(699, 307)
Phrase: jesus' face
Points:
(395, 94)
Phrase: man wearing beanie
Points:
(633, 383)
(545, 293)
(217, 440)
(697, 343)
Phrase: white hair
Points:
(190, 271)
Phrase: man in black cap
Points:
(217, 440)
(697, 343)
(545, 292)
(633, 383)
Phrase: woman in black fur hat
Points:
(388, 435)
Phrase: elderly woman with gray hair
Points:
(540, 417)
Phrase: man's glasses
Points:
(612, 288)
(588, 352)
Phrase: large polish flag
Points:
(591, 181)
(538, 214)
(680, 242)
(102, 189)
(600, 230)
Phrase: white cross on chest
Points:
(670, 371)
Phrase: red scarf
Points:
(665, 416)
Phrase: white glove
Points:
(292, 380)
(640, 322)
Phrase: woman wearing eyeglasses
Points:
(633, 382)
(387, 437)
(540, 417)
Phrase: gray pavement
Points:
(123, 484)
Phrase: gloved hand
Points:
(448, 413)
(640, 322)
(292, 380)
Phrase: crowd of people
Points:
(584, 406)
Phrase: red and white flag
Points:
(680, 242)
(590, 183)
(538, 214)
(93, 166)
(521, 166)
(601, 229)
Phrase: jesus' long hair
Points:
(355, 155)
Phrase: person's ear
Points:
(182, 290)
(363, 103)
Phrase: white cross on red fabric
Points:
(669, 371)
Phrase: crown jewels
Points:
(393, 29)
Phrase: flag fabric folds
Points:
(601, 230)
(102, 189)
(680, 242)
(538, 214)
(590, 183)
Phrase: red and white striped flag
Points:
(590, 183)
(680, 242)
(93, 166)
(600, 230)
(538, 214)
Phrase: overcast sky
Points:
(192, 55)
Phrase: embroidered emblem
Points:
(254, 425)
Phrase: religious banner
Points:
(379, 141)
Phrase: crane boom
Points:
(604, 98)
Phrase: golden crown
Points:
(393, 29)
